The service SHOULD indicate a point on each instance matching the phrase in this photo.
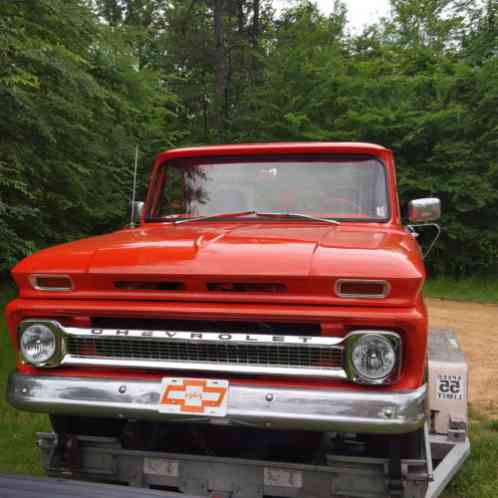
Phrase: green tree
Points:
(74, 105)
(82, 82)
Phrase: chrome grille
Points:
(265, 355)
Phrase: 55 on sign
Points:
(450, 387)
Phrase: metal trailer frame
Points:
(451, 454)
(104, 460)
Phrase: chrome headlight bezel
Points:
(59, 336)
(354, 375)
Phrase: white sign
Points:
(183, 396)
(283, 478)
(161, 467)
(450, 387)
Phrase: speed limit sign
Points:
(450, 387)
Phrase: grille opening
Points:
(245, 287)
(161, 286)
(274, 355)
(242, 327)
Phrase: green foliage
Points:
(480, 290)
(18, 451)
(412, 83)
(477, 479)
(84, 81)
(74, 104)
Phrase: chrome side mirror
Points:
(137, 208)
(423, 210)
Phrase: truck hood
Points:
(277, 252)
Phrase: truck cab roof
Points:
(277, 148)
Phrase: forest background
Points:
(82, 82)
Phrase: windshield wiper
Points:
(214, 216)
(262, 214)
(287, 214)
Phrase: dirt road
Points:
(477, 329)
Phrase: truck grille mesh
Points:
(270, 355)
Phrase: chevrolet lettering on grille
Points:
(211, 336)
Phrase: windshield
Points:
(336, 187)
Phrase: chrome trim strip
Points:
(384, 283)
(335, 373)
(207, 337)
(367, 411)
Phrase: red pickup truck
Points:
(269, 296)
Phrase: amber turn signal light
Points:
(51, 282)
(373, 289)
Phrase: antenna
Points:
(134, 189)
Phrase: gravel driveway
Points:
(477, 329)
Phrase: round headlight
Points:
(38, 344)
(373, 357)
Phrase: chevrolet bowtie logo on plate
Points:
(194, 397)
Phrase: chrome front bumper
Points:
(269, 407)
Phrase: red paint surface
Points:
(306, 257)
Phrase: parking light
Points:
(51, 282)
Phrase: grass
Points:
(18, 452)
(471, 289)
(477, 479)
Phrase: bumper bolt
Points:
(269, 397)
(122, 389)
(388, 412)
